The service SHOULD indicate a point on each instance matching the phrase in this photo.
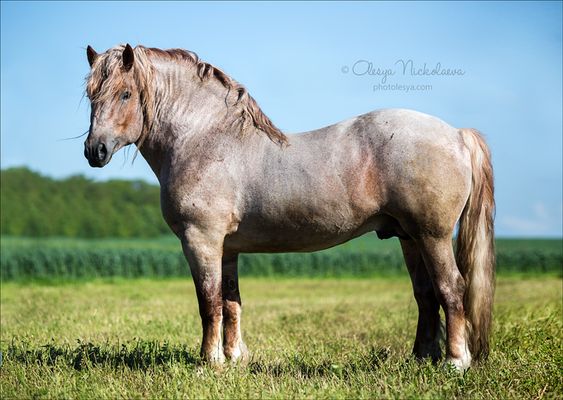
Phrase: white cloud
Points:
(543, 221)
(540, 210)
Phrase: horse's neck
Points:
(188, 112)
(185, 103)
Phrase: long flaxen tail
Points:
(475, 247)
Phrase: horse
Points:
(231, 182)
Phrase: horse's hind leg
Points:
(233, 346)
(427, 341)
(449, 287)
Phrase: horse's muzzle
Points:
(98, 154)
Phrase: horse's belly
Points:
(265, 237)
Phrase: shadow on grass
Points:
(144, 355)
(137, 355)
(298, 366)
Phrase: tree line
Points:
(36, 206)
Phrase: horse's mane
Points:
(107, 63)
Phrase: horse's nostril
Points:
(102, 152)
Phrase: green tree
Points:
(35, 205)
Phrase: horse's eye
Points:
(126, 95)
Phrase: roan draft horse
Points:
(232, 183)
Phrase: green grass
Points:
(310, 338)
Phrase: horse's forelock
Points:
(107, 75)
(106, 79)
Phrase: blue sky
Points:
(304, 64)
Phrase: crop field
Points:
(55, 259)
(310, 338)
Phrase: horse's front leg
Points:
(203, 253)
(233, 346)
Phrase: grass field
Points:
(310, 338)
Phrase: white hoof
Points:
(215, 356)
(238, 354)
(460, 365)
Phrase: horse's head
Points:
(116, 118)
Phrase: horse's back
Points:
(404, 127)
(398, 143)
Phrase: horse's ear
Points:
(128, 57)
(91, 54)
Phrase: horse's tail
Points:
(475, 247)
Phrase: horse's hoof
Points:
(215, 357)
(455, 364)
(238, 355)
